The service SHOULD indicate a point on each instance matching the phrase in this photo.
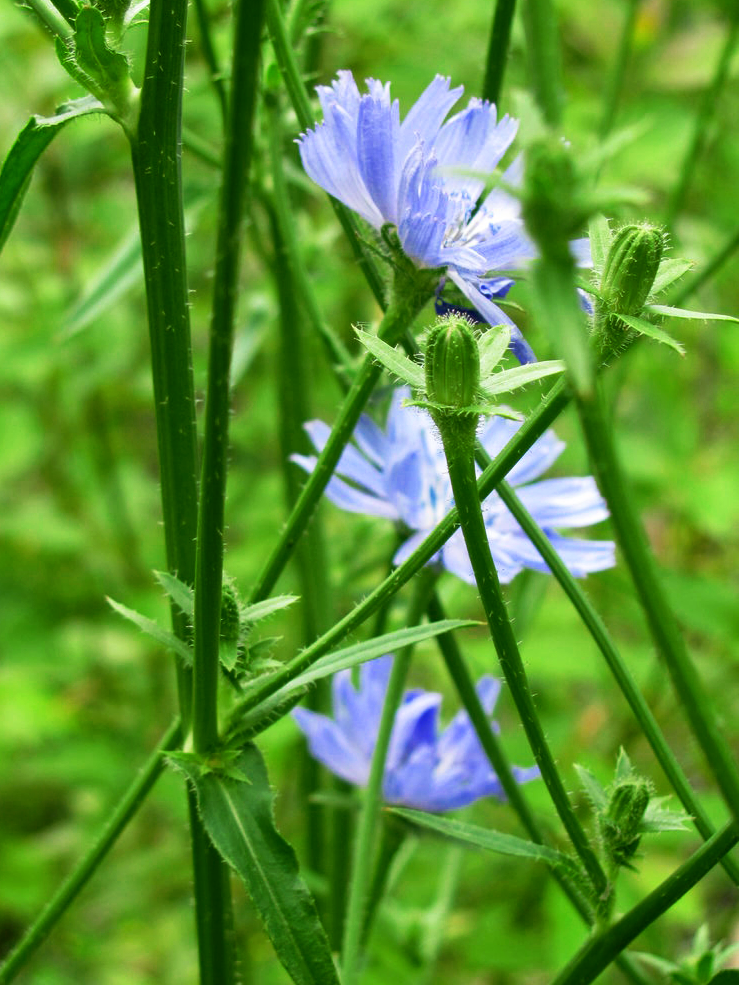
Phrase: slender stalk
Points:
(703, 275)
(211, 59)
(615, 84)
(53, 17)
(662, 622)
(462, 477)
(640, 708)
(365, 845)
(399, 315)
(209, 559)
(543, 58)
(290, 252)
(703, 119)
(296, 90)
(155, 151)
(600, 950)
(500, 37)
(87, 866)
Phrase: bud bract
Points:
(631, 267)
(620, 823)
(230, 615)
(452, 364)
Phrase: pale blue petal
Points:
(378, 128)
(371, 440)
(427, 114)
(574, 502)
(352, 465)
(329, 746)
(415, 725)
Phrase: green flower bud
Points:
(554, 205)
(230, 615)
(620, 823)
(631, 267)
(452, 364)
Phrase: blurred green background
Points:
(84, 697)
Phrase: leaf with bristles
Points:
(512, 379)
(670, 270)
(492, 345)
(395, 362)
(645, 327)
(669, 312)
(600, 240)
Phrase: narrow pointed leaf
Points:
(154, 630)
(30, 144)
(665, 309)
(260, 610)
(350, 656)
(647, 328)
(238, 816)
(600, 240)
(512, 379)
(492, 841)
(180, 593)
(670, 270)
(492, 346)
(596, 794)
(398, 364)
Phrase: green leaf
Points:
(669, 312)
(645, 327)
(512, 379)
(492, 841)
(239, 819)
(592, 787)
(180, 593)
(228, 652)
(669, 271)
(260, 610)
(94, 56)
(600, 240)
(398, 364)
(729, 976)
(492, 345)
(30, 144)
(154, 630)
(350, 656)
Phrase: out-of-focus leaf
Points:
(238, 816)
(30, 144)
(180, 593)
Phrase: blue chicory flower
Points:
(423, 176)
(401, 474)
(424, 769)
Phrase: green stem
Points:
(616, 665)
(365, 845)
(543, 58)
(701, 277)
(52, 18)
(211, 59)
(462, 476)
(662, 622)
(290, 252)
(399, 315)
(500, 37)
(78, 879)
(616, 80)
(705, 112)
(599, 951)
(157, 172)
(209, 560)
(296, 90)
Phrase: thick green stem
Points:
(399, 315)
(85, 869)
(705, 112)
(209, 561)
(500, 37)
(600, 950)
(365, 846)
(157, 173)
(462, 477)
(662, 622)
(618, 668)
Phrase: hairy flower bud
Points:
(452, 363)
(620, 823)
(631, 267)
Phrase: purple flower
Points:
(424, 769)
(401, 474)
(425, 176)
